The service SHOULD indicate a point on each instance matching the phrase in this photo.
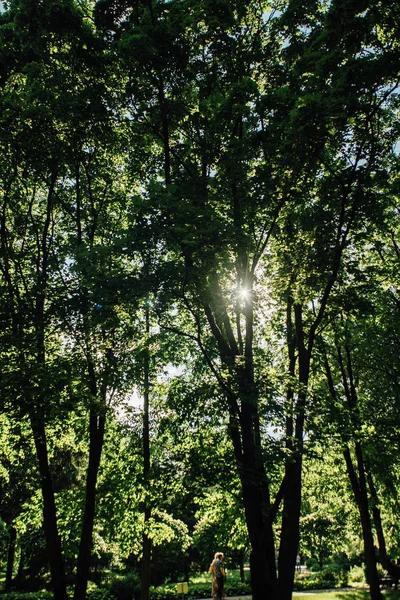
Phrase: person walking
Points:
(218, 577)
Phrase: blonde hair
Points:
(216, 556)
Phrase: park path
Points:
(303, 593)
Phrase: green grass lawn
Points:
(344, 595)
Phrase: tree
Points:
(60, 209)
(362, 429)
(237, 154)
(18, 484)
(258, 158)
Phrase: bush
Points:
(125, 587)
(164, 592)
(237, 589)
(42, 595)
(356, 574)
(321, 580)
(312, 564)
(341, 561)
(198, 590)
(337, 574)
(100, 594)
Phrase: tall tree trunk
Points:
(37, 419)
(53, 541)
(358, 480)
(146, 544)
(360, 493)
(256, 497)
(290, 528)
(386, 563)
(21, 564)
(262, 554)
(376, 515)
(244, 430)
(96, 430)
(97, 415)
(241, 566)
(145, 571)
(12, 536)
(290, 533)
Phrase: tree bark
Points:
(97, 419)
(53, 541)
(358, 480)
(37, 412)
(386, 563)
(244, 430)
(96, 430)
(241, 566)
(290, 529)
(12, 536)
(262, 555)
(21, 564)
(256, 497)
(360, 493)
(290, 533)
(145, 573)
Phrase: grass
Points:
(205, 577)
(345, 595)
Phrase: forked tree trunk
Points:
(37, 419)
(97, 420)
(244, 430)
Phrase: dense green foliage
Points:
(199, 292)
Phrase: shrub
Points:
(125, 587)
(337, 572)
(100, 594)
(198, 590)
(237, 589)
(356, 574)
(164, 592)
(341, 561)
(312, 564)
(321, 580)
(42, 595)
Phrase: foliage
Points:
(43, 595)
(199, 590)
(320, 580)
(125, 587)
(356, 574)
(233, 168)
(100, 594)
